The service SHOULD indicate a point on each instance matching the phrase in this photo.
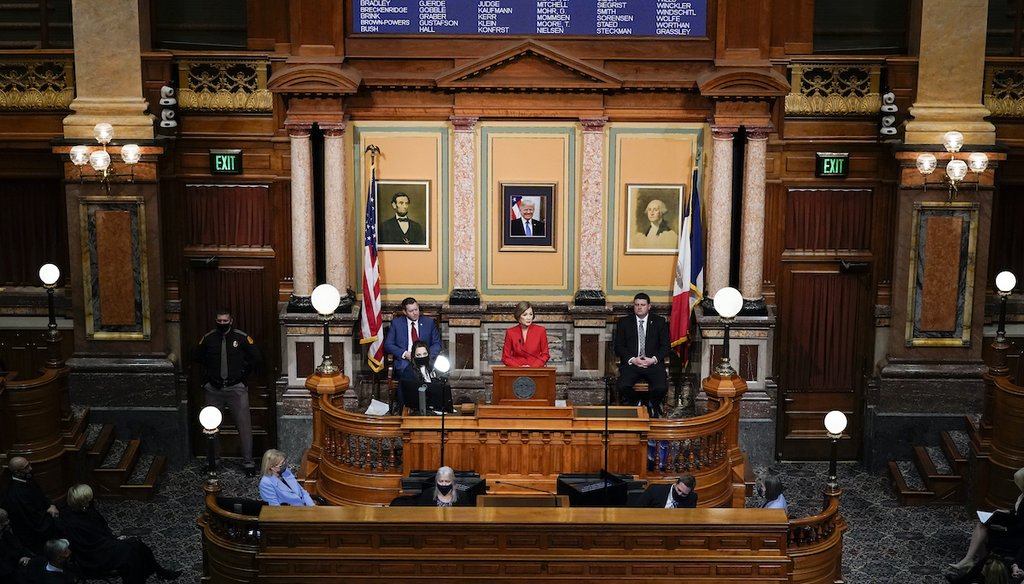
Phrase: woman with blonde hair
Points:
(444, 492)
(1003, 530)
(278, 485)
(98, 551)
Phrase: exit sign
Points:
(832, 164)
(226, 161)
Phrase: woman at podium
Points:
(526, 344)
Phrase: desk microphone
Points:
(525, 487)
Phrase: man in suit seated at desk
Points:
(680, 495)
(642, 345)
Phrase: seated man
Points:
(32, 516)
(57, 552)
(642, 346)
(681, 494)
(14, 556)
(403, 332)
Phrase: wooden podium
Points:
(524, 386)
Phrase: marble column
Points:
(303, 237)
(752, 246)
(464, 226)
(950, 74)
(720, 225)
(591, 222)
(108, 71)
(338, 229)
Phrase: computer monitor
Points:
(437, 395)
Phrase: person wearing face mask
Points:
(419, 373)
(443, 493)
(526, 344)
(227, 357)
(679, 495)
(770, 489)
(14, 556)
(32, 516)
(278, 485)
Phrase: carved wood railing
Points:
(357, 459)
(1006, 452)
(815, 544)
(834, 87)
(698, 446)
(230, 543)
(360, 456)
(1003, 92)
(37, 80)
(219, 82)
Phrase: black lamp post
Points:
(835, 423)
(1005, 281)
(728, 302)
(210, 419)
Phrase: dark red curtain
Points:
(1007, 236)
(227, 215)
(33, 230)
(828, 219)
(238, 289)
(819, 358)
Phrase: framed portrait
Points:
(527, 217)
(403, 214)
(654, 214)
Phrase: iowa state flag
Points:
(688, 288)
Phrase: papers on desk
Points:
(559, 403)
(377, 408)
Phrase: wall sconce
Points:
(956, 169)
(728, 302)
(835, 423)
(210, 419)
(325, 299)
(1005, 281)
(99, 159)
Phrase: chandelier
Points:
(956, 169)
(99, 159)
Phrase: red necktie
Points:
(415, 335)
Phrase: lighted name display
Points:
(620, 18)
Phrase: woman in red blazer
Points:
(526, 344)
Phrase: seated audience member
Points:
(278, 485)
(33, 517)
(443, 493)
(14, 556)
(98, 551)
(679, 495)
(526, 344)
(54, 571)
(770, 489)
(1004, 530)
(420, 373)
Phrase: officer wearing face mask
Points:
(679, 495)
(227, 357)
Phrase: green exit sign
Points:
(226, 161)
(832, 164)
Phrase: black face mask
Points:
(759, 490)
(677, 497)
(422, 361)
(223, 328)
(444, 489)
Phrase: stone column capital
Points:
(298, 129)
(334, 130)
(464, 124)
(724, 132)
(594, 124)
(758, 132)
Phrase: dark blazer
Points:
(26, 505)
(396, 341)
(391, 233)
(11, 552)
(516, 228)
(657, 343)
(97, 550)
(529, 352)
(656, 496)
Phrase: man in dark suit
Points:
(33, 517)
(680, 495)
(407, 329)
(400, 229)
(642, 345)
(527, 226)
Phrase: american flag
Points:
(371, 319)
(516, 214)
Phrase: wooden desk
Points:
(540, 382)
(522, 500)
(625, 546)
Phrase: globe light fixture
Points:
(835, 424)
(49, 274)
(99, 159)
(326, 299)
(728, 302)
(210, 418)
(956, 169)
(1005, 281)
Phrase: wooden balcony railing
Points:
(1003, 92)
(37, 80)
(224, 83)
(815, 545)
(828, 87)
